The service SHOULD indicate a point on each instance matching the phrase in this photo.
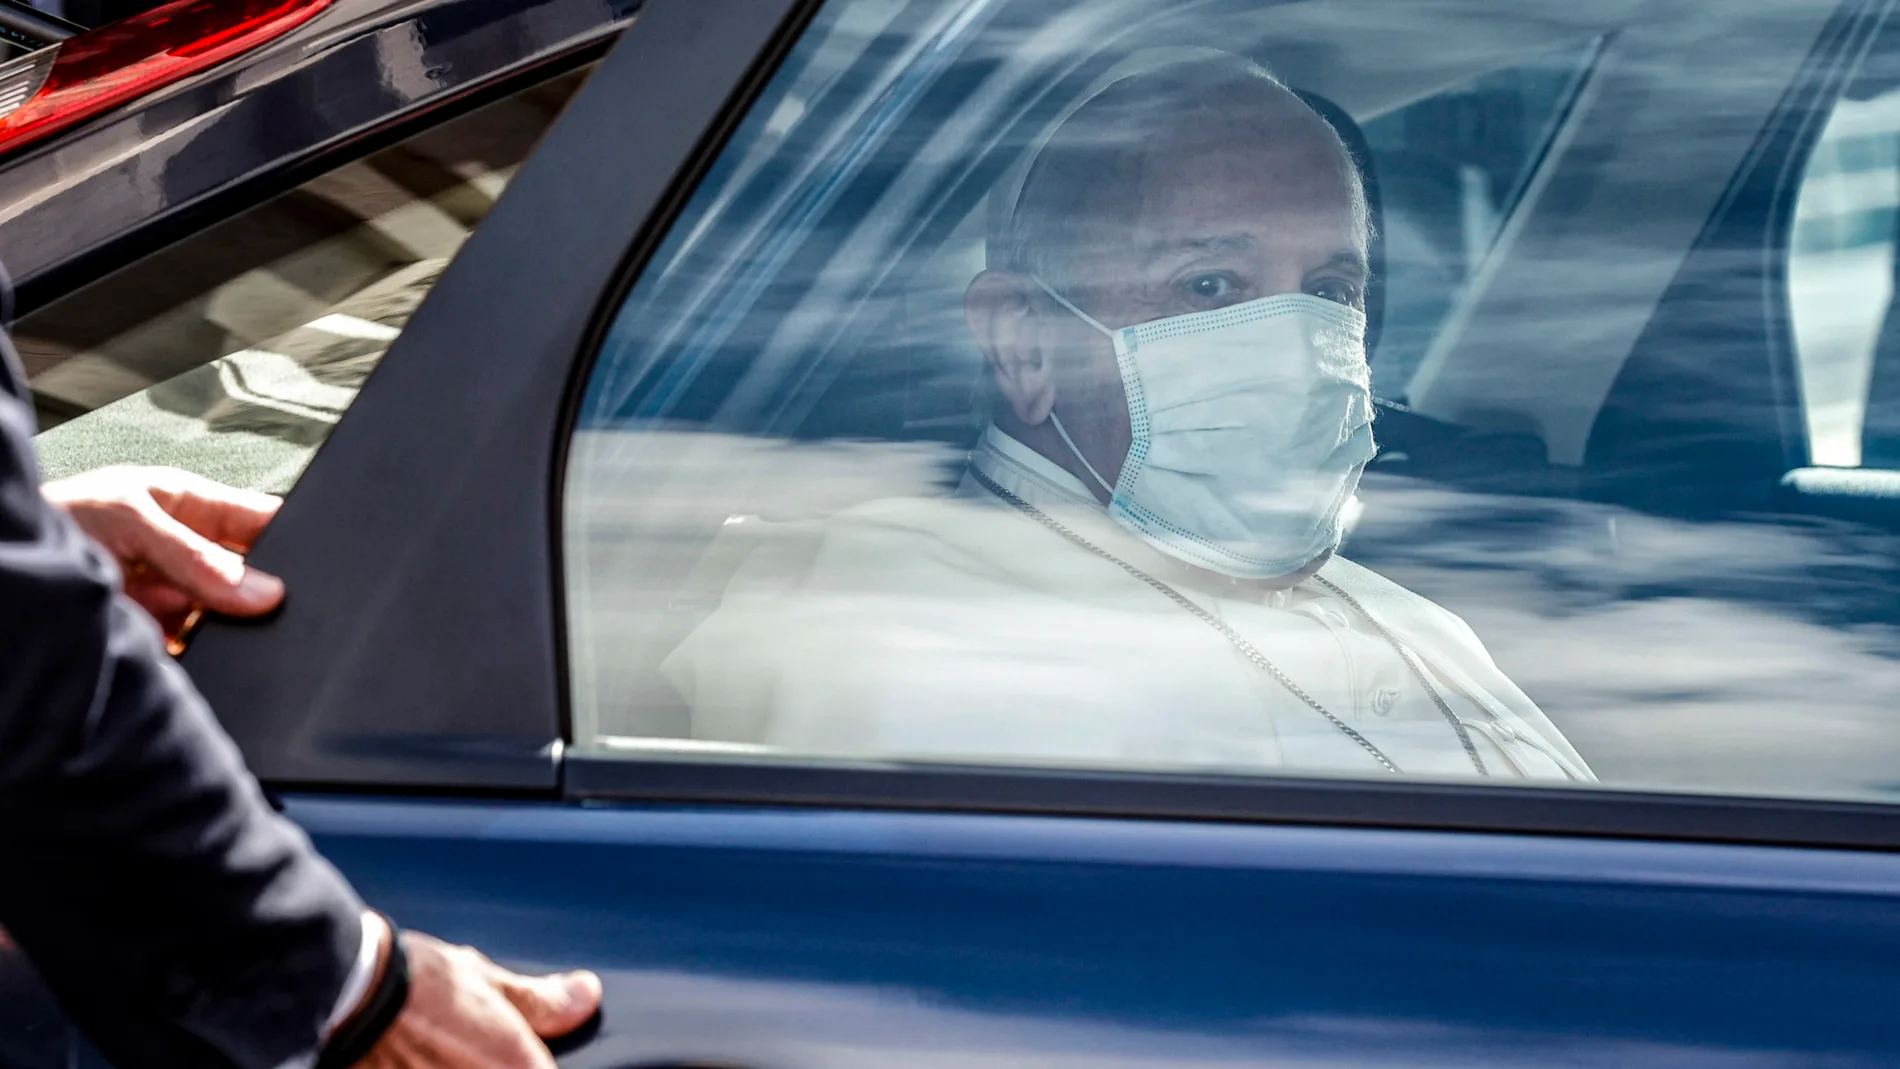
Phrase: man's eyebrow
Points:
(1210, 244)
(1216, 244)
(1350, 259)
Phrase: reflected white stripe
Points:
(349, 326)
(23, 77)
(16, 93)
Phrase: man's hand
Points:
(178, 537)
(466, 1012)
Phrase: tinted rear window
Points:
(1003, 391)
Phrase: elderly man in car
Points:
(1140, 566)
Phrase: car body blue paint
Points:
(765, 938)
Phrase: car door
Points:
(231, 352)
(718, 318)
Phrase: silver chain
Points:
(1247, 649)
(1418, 673)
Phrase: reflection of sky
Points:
(1727, 655)
(1723, 655)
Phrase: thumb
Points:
(553, 1005)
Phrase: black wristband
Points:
(352, 1040)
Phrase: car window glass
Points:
(1450, 168)
(234, 352)
(1002, 396)
(1840, 283)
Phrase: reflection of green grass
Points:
(136, 431)
(253, 418)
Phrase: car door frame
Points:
(422, 649)
(442, 471)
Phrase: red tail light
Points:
(67, 83)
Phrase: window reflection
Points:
(1840, 273)
(994, 403)
(1450, 169)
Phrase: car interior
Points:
(1617, 347)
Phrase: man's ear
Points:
(1002, 313)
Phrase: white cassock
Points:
(960, 628)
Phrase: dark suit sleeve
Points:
(181, 921)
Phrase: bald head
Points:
(1155, 140)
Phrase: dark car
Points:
(652, 608)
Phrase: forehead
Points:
(1279, 177)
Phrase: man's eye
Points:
(1209, 287)
(1334, 290)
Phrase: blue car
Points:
(972, 533)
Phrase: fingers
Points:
(224, 514)
(209, 573)
(172, 528)
(478, 1031)
(553, 1005)
(457, 1017)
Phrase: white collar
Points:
(1043, 483)
(1028, 474)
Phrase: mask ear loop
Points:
(1079, 313)
(1070, 442)
(1057, 420)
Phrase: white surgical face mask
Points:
(1251, 425)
